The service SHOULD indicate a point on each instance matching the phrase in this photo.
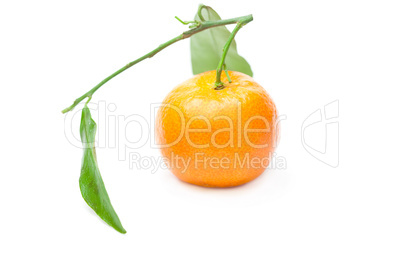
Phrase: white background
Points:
(305, 53)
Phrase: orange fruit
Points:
(217, 138)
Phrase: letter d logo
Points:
(325, 128)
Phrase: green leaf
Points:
(207, 46)
(91, 184)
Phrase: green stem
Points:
(218, 83)
(201, 26)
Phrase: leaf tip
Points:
(122, 230)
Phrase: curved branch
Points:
(201, 26)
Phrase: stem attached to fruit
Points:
(196, 27)
(219, 84)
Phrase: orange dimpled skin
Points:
(217, 138)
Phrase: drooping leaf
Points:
(207, 46)
(91, 184)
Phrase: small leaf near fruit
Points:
(206, 47)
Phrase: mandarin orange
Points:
(217, 137)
